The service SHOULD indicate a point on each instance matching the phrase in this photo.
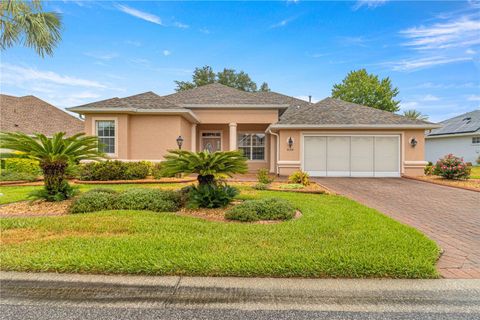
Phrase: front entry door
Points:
(211, 141)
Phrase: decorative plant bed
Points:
(141, 181)
(470, 184)
(35, 208)
(313, 187)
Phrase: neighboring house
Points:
(459, 136)
(278, 132)
(30, 114)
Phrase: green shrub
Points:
(148, 199)
(94, 201)
(299, 177)
(114, 170)
(17, 176)
(260, 186)
(452, 167)
(105, 190)
(63, 191)
(210, 195)
(263, 209)
(429, 169)
(263, 176)
(22, 165)
(291, 186)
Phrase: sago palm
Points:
(24, 22)
(205, 164)
(54, 155)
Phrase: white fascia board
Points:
(354, 126)
(235, 106)
(453, 135)
(182, 112)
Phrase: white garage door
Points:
(352, 156)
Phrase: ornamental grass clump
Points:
(452, 167)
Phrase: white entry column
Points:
(233, 136)
(193, 137)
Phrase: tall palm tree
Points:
(204, 163)
(414, 114)
(54, 155)
(24, 22)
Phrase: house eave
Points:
(353, 126)
(188, 114)
(452, 135)
(235, 106)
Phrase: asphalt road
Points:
(51, 296)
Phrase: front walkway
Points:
(447, 215)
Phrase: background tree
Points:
(264, 87)
(415, 115)
(229, 77)
(24, 22)
(367, 89)
(54, 155)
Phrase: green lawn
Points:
(475, 173)
(336, 237)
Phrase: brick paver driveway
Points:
(447, 215)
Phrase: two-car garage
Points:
(351, 156)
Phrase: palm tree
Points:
(25, 22)
(54, 155)
(415, 115)
(205, 164)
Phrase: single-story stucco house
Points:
(275, 131)
(459, 135)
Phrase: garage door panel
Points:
(362, 149)
(387, 155)
(315, 156)
(338, 156)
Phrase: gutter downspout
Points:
(277, 139)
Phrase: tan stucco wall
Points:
(208, 116)
(411, 158)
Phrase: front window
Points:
(252, 145)
(476, 140)
(106, 135)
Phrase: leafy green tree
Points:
(207, 165)
(264, 87)
(415, 115)
(24, 22)
(54, 155)
(229, 77)
(367, 89)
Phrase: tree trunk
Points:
(208, 179)
(54, 176)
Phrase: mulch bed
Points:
(470, 184)
(35, 208)
(313, 187)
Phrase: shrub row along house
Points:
(275, 131)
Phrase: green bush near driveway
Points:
(336, 237)
(263, 209)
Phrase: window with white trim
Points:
(476, 140)
(105, 130)
(252, 145)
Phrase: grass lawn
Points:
(336, 237)
(475, 173)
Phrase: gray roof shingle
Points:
(465, 123)
(30, 114)
(331, 111)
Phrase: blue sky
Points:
(430, 50)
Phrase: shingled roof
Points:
(146, 100)
(333, 112)
(30, 114)
(465, 123)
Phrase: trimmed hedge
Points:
(21, 166)
(264, 209)
(133, 199)
(114, 170)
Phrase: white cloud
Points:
(369, 4)
(459, 32)
(181, 25)
(430, 97)
(166, 53)
(431, 85)
(421, 63)
(102, 56)
(18, 75)
(282, 23)
(473, 97)
(470, 51)
(204, 30)
(140, 14)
